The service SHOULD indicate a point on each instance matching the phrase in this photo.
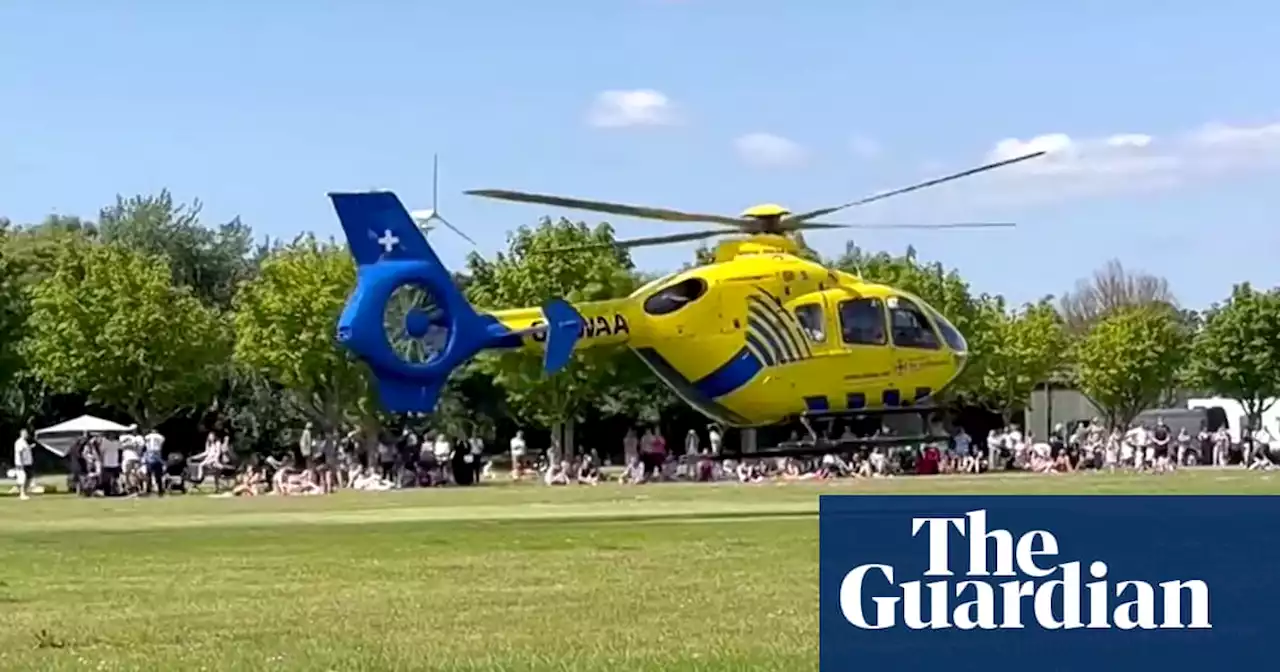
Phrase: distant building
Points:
(1059, 403)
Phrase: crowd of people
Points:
(324, 462)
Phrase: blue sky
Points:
(1164, 129)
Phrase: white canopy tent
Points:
(59, 438)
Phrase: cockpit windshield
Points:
(950, 334)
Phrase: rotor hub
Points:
(417, 323)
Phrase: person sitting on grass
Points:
(297, 482)
(558, 474)
(366, 479)
(588, 473)
(749, 473)
(286, 470)
(251, 482)
(1262, 459)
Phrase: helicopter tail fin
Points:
(564, 328)
(379, 228)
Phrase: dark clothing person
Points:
(461, 463)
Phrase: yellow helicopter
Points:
(759, 337)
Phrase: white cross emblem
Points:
(388, 241)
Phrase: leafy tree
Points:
(108, 323)
(1026, 348)
(209, 261)
(285, 320)
(12, 315)
(259, 411)
(527, 274)
(1237, 353)
(1129, 358)
(1112, 288)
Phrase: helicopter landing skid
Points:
(820, 447)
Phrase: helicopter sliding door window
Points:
(812, 321)
(675, 297)
(911, 329)
(862, 322)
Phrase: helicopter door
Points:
(864, 333)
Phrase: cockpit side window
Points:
(862, 321)
(675, 297)
(911, 328)
(812, 321)
(949, 333)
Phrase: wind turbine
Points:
(424, 218)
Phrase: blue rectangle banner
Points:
(1049, 583)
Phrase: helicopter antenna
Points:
(424, 218)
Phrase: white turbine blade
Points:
(435, 182)
(455, 229)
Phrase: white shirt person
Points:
(22, 461)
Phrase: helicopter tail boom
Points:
(561, 328)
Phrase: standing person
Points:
(306, 444)
(659, 452)
(692, 446)
(443, 449)
(1160, 438)
(153, 460)
(647, 454)
(109, 448)
(477, 455)
(518, 451)
(1221, 447)
(715, 437)
(963, 456)
(630, 448)
(330, 478)
(691, 443)
(22, 461)
(1184, 447)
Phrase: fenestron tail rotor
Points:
(764, 219)
(424, 218)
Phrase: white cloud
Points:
(1134, 161)
(864, 147)
(765, 150)
(639, 107)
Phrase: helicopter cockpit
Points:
(901, 320)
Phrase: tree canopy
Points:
(1025, 349)
(108, 322)
(1130, 358)
(1237, 352)
(209, 261)
(285, 322)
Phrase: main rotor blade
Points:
(814, 214)
(641, 212)
(641, 242)
(953, 225)
(454, 229)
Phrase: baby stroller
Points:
(193, 477)
(175, 473)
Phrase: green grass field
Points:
(664, 577)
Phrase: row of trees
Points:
(151, 314)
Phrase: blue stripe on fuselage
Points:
(731, 375)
